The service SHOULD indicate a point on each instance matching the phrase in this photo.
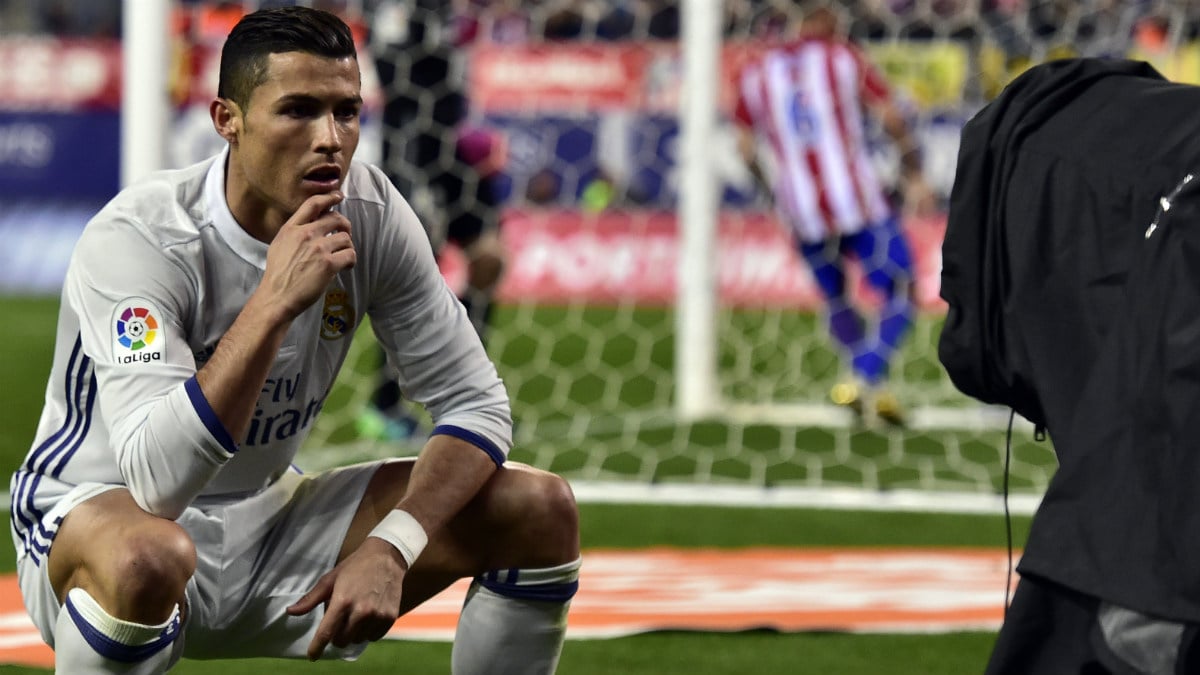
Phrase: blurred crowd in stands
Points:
(1094, 27)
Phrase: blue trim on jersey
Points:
(473, 438)
(19, 500)
(67, 422)
(37, 548)
(88, 407)
(27, 522)
(80, 396)
(210, 419)
(560, 592)
(81, 410)
(119, 651)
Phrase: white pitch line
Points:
(738, 496)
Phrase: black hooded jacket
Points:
(1071, 267)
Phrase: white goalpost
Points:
(697, 390)
(145, 101)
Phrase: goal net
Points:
(657, 333)
(654, 326)
(637, 352)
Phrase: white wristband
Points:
(403, 531)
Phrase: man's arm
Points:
(307, 253)
(918, 196)
(748, 148)
(362, 594)
(443, 366)
(448, 473)
(172, 428)
(896, 127)
(877, 96)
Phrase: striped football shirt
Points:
(806, 101)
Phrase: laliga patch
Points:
(337, 317)
(137, 332)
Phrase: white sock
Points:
(514, 621)
(89, 641)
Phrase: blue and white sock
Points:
(89, 641)
(514, 621)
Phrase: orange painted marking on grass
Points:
(629, 592)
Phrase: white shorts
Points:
(255, 557)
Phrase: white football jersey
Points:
(156, 279)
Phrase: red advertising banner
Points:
(48, 74)
(647, 75)
(630, 76)
(637, 76)
(559, 256)
(589, 76)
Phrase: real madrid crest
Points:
(337, 318)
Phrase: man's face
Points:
(297, 135)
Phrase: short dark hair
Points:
(276, 31)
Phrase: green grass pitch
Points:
(24, 363)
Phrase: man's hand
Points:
(361, 597)
(309, 250)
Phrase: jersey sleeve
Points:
(428, 337)
(131, 302)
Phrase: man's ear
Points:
(227, 119)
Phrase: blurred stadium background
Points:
(651, 390)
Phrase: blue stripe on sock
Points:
(560, 592)
(118, 651)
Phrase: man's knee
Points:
(137, 574)
(155, 563)
(559, 503)
(549, 514)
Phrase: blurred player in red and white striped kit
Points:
(805, 100)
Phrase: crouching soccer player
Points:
(205, 314)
